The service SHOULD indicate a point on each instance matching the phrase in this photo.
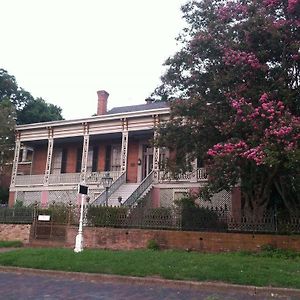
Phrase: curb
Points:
(178, 284)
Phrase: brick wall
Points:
(111, 238)
(15, 232)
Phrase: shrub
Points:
(152, 245)
(106, 216)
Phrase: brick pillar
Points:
(11, 199)
(155, 197)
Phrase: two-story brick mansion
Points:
(52, 158)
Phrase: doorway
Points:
(147, 160)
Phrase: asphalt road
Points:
(31, 286)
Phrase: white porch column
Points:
(16, 160)
(124, 148)
(49, 156)
(85, 152)
(156, 151)
(24, 154)
(194, 170)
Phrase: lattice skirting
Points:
(220, 200)
(29, 198)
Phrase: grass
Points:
(280, 269)
(8, 244)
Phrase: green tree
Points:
(236, 52)
(28, 109)
(7, 124)
(39, 111)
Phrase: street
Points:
(29, 286)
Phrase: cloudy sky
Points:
(66, 50)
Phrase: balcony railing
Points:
(96, 177)
(198, 175)
(28, 180)
(63, 179)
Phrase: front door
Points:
(147, 160)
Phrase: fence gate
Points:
(46, 228)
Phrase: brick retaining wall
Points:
(127, 239)
(15, 232)
(112, 238)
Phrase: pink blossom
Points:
(292, 4)
(270, 3)
(232, 11)
(235, 58)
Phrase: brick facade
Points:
(39, 160)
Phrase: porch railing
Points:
(66, 178)
(145, 184)
(100, 200)
(187, 176)
(96, 177)
(27, 180)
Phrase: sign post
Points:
(82, 190)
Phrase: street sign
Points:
(82, 189)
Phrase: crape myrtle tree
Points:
(234, 90)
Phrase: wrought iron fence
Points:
(189, 218)
(22, 215)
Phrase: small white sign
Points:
(44, 217)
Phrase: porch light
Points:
(106, 182)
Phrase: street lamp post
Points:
(106, 182)
(82, 190)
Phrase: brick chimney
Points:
(102, 102)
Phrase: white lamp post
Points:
(82, 190)
(106, 182)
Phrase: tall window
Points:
(78, 160)
(64, 160)
(56, 161)
(107, 158)
(95, 159)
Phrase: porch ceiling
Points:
(143, 134)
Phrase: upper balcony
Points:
(67, 179)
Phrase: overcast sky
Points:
(66, 50)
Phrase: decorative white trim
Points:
(93, 119)
(49, 156)
(85, 152)
(194, 171)
(156, 151)
(15, 161)
(124, 149)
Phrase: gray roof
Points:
(133, 108)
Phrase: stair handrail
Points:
(116, 184)
(139, 190)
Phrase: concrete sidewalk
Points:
(215, 287)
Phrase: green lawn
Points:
(8, 244)
(269, 268)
